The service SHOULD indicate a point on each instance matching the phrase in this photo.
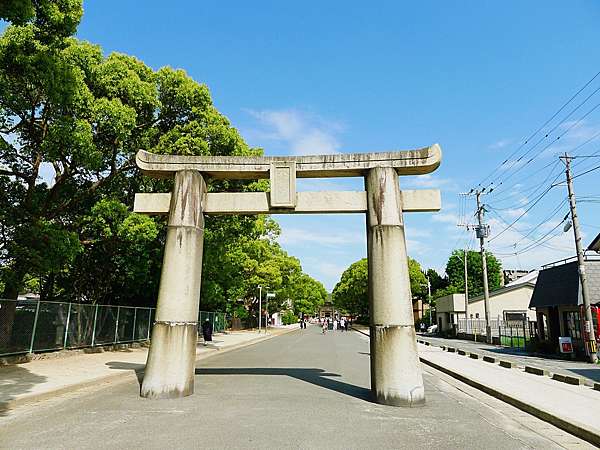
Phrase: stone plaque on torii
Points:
(396, 377)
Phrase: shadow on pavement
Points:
(314, 376)
(137, 368)
(592, 374)
(15, 380)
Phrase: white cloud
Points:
(445, 218)
(427, 181)
(500, 144)
(297, 236)
(304, 133)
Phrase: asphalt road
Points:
(299, 390)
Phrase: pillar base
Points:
(171, 361)
(396, 378)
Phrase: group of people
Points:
(341, 325)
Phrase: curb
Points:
(575, 429)
(122, 376)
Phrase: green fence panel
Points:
(142, 323)
(50, 326)
(126, 324)
(16, 318)
(106, 321)
(81, 325)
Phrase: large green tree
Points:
(350, 294)
(455, 269)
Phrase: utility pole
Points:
(482, 232)
(259, 306)
(429, 300)
(589, 324)
(466, 291)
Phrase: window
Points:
(572, 324)
(515, 316)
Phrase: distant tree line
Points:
(350, 294)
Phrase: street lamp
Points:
(259, 305)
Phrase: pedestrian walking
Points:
(342, 324)
(346, 324)
(207, 330)
(324, 327)
(335, 324)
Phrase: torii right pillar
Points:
(396, 377)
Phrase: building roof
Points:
(595, 245)
(559, 285)
(530, 278)
(504, 290)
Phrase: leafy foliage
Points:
(455, 270)
(351, 296)
(71, 122)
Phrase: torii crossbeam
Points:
(396, 377)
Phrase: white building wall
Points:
(508, 301)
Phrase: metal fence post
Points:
(117, 325)
(134, 320)
(94, 329)
(149, 322)
(67, 326)
(37, 311)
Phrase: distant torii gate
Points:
(396, 377)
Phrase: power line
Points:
(525, 212)
(573, 125)
(541, 127)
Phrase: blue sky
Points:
(321, 77)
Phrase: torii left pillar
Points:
(170, 367)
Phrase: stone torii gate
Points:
(396, 377)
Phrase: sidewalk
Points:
(575, 409)
(588, 372)
(45, 378)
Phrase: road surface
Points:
(299, 390)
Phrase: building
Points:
(510, 303)
(448, 310)
(558, 301)
(420, 309)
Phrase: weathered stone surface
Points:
(170, 367)
(396, 377)
(323, 202)
(406, 162)
(283, 184)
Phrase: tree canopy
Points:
(351, 296)
(455, 269)
(71, 122)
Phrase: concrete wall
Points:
(504, 301)
(451, 303)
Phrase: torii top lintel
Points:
(406, 162)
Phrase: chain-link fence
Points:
(30, 326)
(216, 318)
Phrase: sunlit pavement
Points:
(299, 390)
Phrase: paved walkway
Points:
(578, 406)
(44, 378)
(586, 371)
(301, 390)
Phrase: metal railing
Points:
(30, 326)
(511, 333)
